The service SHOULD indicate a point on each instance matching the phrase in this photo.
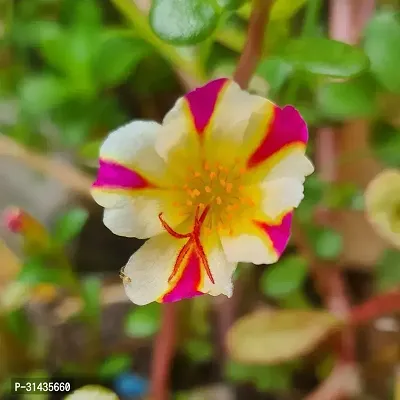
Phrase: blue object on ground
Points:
(129, 384)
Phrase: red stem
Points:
(376, 307)
(253, 48)
(164, 350)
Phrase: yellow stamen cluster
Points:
(218, 187)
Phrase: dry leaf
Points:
(266, 337)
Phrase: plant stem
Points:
(253, 48)
(378, 306)
(164, 350)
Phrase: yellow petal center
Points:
(218, 187)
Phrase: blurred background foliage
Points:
(71, 71)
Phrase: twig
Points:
(255, 39)
(164, 350)
(343, 380)
(63, 172)
(378, 306)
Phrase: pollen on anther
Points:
(219, 200)
(222, 182)
(195, 193)
(197, 174)
(207, 189)
(189, 203)
(229, 187)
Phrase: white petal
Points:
(221, 269)
(280, 196)
(133, 145)
(138, 216)
(294, 165)
(150, 267)
(248, 248)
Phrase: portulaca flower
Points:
(213, 185)
(382, 203)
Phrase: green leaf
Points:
(328, 244)
(35, 271)
(324, 57)
(381, 44)
(356, 98)
(275, 72)
(285, 277)
(184, 22)
(114, 365)
(230, 4)
(199, 350)
(388, 270)
(264, 377)
(385, 143)
(273, 378)
(271, 337)
(116, 58)
(342, 195)
(91, 293)
(42, 93)
(70, 224)
(92, 392)
(71, 52)
(86, 13)
(143, 321)
(285, 9)
(90, 150)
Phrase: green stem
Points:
(309, 28)
(142, 27)
(311, 18)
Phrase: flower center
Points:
(219, 189)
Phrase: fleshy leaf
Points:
(184, 22)
(116, 58)
(352, 99)
(322, 56)
(70, 224)
(284, 277)
(285, 9)
(381, 44)
(388, 270)
(143, 321)
(385, 143)
(115, 365)
(271, 337)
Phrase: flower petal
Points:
(257, 241)
(275, 140)
(152, 266)
(133, 182)
(279, 197)
(382, 204)
(208, 123)
(138, 216)
(129, 163)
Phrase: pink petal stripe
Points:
(187, 285)
(202, 102)
(287, 127)
(279, 234)
(115, 176)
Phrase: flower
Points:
(213, 185)
(382, 203)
